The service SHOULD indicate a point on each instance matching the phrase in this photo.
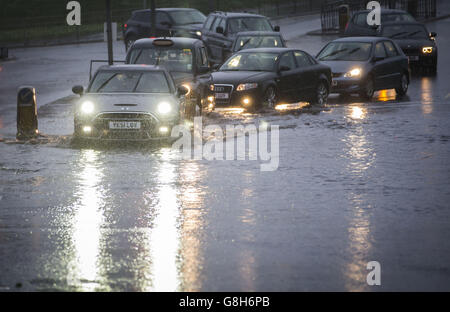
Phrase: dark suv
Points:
(220, 29)
(173, 22)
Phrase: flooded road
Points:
(357, 182)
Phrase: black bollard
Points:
(27, 123)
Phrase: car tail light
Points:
(346, 26)
(125, 25)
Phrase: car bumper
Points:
(99, 127)
(245, 99)
(346, 85)
(422, 60)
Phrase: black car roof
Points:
(166, 9)
(258, 33)
(360, 39)
(178, 42)
(236, 14)
(132, 67)
(269, 50)
(384, 11)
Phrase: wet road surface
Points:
(357, 182)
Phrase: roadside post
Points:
(27, 123)
(109, 32)
(344, 15)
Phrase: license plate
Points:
(124, 125)
(222, 95)
(413, 57)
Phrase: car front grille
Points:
(223, 88)
(148, 125)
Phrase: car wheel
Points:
(270, 97)
(129, 42)
(403, 87)
(369, 89)
(321, 96)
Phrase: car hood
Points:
(129, 102)
(343, 66)
(236, 77)
(413, 43)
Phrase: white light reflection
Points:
(426, 95)
(87, 222)
(164, 237)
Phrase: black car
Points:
(185, 58)
(357, 25)
(170, 22)
(258, 39)
(220, 29)
(417, 43)
(265, 77)
(364, 65)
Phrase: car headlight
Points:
(354, 73)
(211, 87)
(188, 87)
(87, 107)
(164, 108)
(198, 33)
(246, 86)
(427, 50)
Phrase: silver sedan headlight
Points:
(246, 86)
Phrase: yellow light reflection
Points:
(87, 223)
(283, 107)
(426, 95)
(231, 110)
(386, 95)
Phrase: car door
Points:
(217, 40)
(287, 77)
(143, 24)
(381, 71)
(395, 64)
(306, 77)
(208, 39)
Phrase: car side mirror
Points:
(433, 34)
(78, 90)
(276, 28)
(284, 68)
(203, 69)
(219, 29)
(182, 90)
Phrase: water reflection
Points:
(361, 156)
(426, 95)
(386, 95)
(88, 219)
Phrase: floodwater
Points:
(356, 182)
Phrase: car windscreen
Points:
(346, 51)
(130, 82)
(236, 25)
(187, 17)
(174, 59)
(404, 31)
(253, 61)
(248, 42)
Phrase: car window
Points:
(390, 48)
(361, 19)
(236, 25)
(254, 61)
(397, 17)
(222, 24)
(302, 59)
(411, 31)
(187, 17)
(345, 51)
(141, 82)
(249, 42)
(216, 24)
(143, 17)
(162, 17)
(209, 22)
(379, 50)
(287, 60)
(204, 56)
(174, 59)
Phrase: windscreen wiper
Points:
(105, 83)
(333, 53)
(398, 34)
